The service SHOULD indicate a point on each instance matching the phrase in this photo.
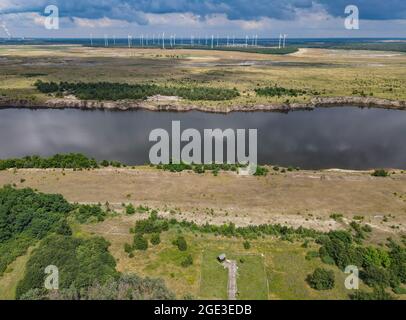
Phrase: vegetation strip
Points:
(122, 91)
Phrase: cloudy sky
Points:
(267, 18)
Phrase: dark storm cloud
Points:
(134, 10)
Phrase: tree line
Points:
(123, 91)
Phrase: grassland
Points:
(13, 274)
(305, 198)
(329, 73)
(281, 265)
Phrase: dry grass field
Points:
(306, 198)
(327, 72)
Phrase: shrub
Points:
(89, 213)
(128, 248)
(105, 163)
(279, 91)
(181, 243)
(129, 209)
(380, 173)
(377, 294)
(247, 245)
(188, 261)
(321, 279)
(312, 254)
(261, 171)
(155, 239)
(337, 217)
(140, 243)
(375, 276)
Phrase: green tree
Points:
(140, 243)
(321, 279)
(155, 239)
(181, 243)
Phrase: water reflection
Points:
(325, 138)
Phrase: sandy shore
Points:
(174, 105)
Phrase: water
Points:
(342, 137)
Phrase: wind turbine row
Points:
(160, 40)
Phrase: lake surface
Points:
(342, 137)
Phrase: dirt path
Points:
(231, 265)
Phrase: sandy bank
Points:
(73, 103)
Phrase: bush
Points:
(374, 276)
(247, 245)
(140, 243)
(377, 294)
(155, 239)
(312, 255)
(188, 261)
(181, 243)
(279, 91)
(128, 248)
(63, 228)
(129, 209)
(321, 279)
(380, 173)
(89, 213)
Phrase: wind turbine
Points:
(280, 40)
(129, 41)
(91, 40)
(3, 25)
(163, 40)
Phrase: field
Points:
(272, 268)
(281, 265)
(14, 273)
(251, 277)
(321, 72)
(306, 198)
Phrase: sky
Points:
(265, 18)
